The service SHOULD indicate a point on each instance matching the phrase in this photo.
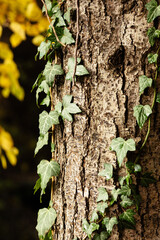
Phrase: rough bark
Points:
(113, 46)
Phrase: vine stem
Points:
(76, 44)
(49, 20)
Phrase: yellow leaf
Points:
(3, 161)
(5, 52)
(5, 92)
(6, 141)
(33, 12)
(37, 40)
(32, 29)
(18, 29)
(1, 30)
(15, 40)
(12, 156)
(4, 81)
(43, 24)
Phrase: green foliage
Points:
(103, 195)
(89, 228)
(42, 140)
(126, 202)
(102, 236)
(67, 15)
(153, 10)
(107, 172)
(121, 147)
(44, 48)
(153, 33)
(127, 219)
(144, 82)
(69, 108)
(101, 207)
(158, 98)
(125, 190)
(141, 113)
(152, 58)
(51, 71)
(147, 179)
(46, 218)
(94, 216)
(109, 223)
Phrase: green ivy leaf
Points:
(103, 195)
(42, 140)
(58, 108)
(46, 120)
(127, 219)
(69, 108)
(141, 113)
(101, 207)
(43, 87)
(67, 37)
(107, 172)
(51, 71)
(67, 15)
(57, 16)
(48, 5)
(147, 179)
(80, 70)
(124, 178)
(94, 216)
(47, 170)
(152, 58)
(38, 81)
(46, 218)
(153, 10)
(137, 168)
(158, 98)
(37, 186)
(102, 236)
(126, 202)
(121, 147)
(109, 223)
(89, 228)
(125, 190)
(153, 33)
(144, 82)
(114, 193)
(44, 48)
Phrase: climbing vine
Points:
(100, 226)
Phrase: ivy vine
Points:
(100, 226)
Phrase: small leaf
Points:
(121, 147)
(67, 15)
(127, 219)
(109, 223)
(94, 216)
(158, 98)
(46, 120)
(152, 58)
(153, 10)
(58, 15)
(101, 207)
(42, 140)
(125, 190)
(124, 178)
(48, 5)
(51, 71)
(153, 33)
(89, 228)
(115, 193)
(67, 37)
(144, 82)
(38, 81)
(44, 48)
(142, 113)
(69, 108)
(81, 70)
(103, 195)
(47, 170)
(43, 87)
(102, 236)
(147, 179)
(126, 202)
(37, 186)
(107, 172)
(46, 218)
(137, 168)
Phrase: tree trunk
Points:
(113, 45)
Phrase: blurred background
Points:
(22, 27)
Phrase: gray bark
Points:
(113, 46)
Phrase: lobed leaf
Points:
(141, 113)
(102, 236)
(89, 228)
(51, 71)
(42, 140)
(144, 82)
(67, 37)
(153, 10)
(127, 219)
(44, 48)
(109, 223)
(153, 33)
(103, 195)
(69, 108)
(107, 172)
(126, 202)
(152, 58)
(101, 207)
(94, 216)
(125, 190)
(67, 15)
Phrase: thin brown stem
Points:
(49, 20)
(76, 44)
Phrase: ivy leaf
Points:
(124, 178)
(43, 87)
(109, 223)
(152, 58)
(37, 186)
(125, 190)
(48, 5)
(127, 219)
(147, 179)
(126, 202)
(80, 69)
(42, 140)
(46, 120)
(102, 236)
(46, 218)
(44, 48)
(137, 168)
(153, 33)
(101, 207)
(94, 216)
(158, 98)
(153, 10)
(141, 113)
(47, 170)
(69, 108)
(67, 15)
(58, 107)
(114, 193)
(144, 82)
(38, 81)
(58, 15)
(107, 172)
(121, 147)
(89, 228)
(67, 37)
(51, 71)
(103, 195)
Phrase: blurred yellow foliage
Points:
(23, 18)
